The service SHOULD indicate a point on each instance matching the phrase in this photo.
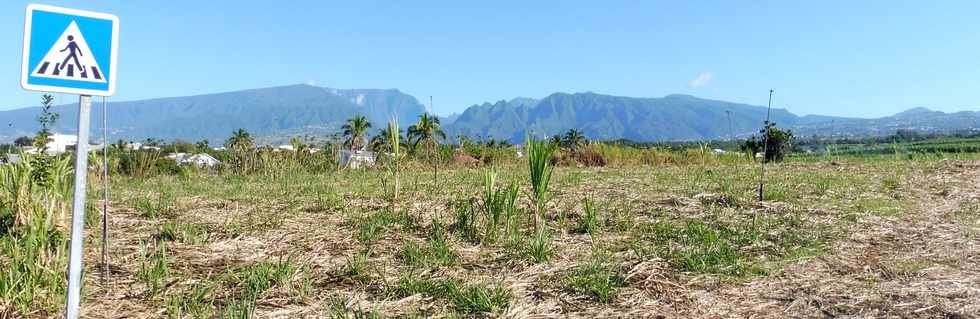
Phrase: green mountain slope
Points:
(674, 117)
(268, 111)
(277, 113)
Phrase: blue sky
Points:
(849, 58)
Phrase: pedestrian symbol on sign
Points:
(70, 58)
(72, 47)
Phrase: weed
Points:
(252, 281)
(539, 247)
(467, 299)
(337, 309)
(596, 278)
(154, 208)
(356, 267)
(589, 221)
(466, 221)
(196, 303)
(182, 232)
(878, 206)
(375, 225)
(413, 254)
(439, 250)
(436, 252)
(707, 250)
(154, 267)
(891, 185)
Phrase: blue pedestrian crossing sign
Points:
(69, 51)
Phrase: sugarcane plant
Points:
(540, 168)
(394, 140)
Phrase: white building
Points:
(199, 160)
(356, 159)
(202, 160)
(61, 143)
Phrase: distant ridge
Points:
(277, 113)
(267, 111)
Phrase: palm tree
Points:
(427, 131)
(379, 142)
(355, 131)
(555, 140)
(240, 140)
(203, 145)
(573, 139)
(382, 141)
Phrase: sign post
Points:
(78, 209)
(72, 51)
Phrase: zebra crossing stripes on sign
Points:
(69, 51)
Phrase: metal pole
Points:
(105, 193)
(765, 147)
(78, 209)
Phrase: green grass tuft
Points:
(596, 278)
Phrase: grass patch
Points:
(32, 263)
(251, 282)
(437, 251)
(356, 267)
(589, 222)
(596, 278)
(154, 268)
(879, 206)
(373, 226)
(736, 248)
(182, 232)
(337, 309)
(466, 299)
(198, 302)
(536, 248)
(153, 208)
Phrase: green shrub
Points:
(168, 166)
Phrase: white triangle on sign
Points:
(70, 59)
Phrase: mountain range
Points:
(277, 113)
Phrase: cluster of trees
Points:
(427, 133)
(774, 142)
(572, 139)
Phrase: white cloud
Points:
(701, 81)
(311, 82)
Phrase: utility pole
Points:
(765, 146)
